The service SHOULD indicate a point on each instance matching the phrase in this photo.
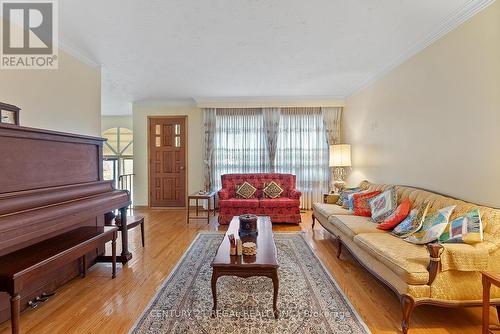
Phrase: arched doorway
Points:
(118, 153)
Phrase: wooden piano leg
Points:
(142, 232)
(113, 255)
(15, 309)
(126, 255)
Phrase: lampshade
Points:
(340, 155)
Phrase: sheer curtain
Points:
(272, 118)
(209, 125)
(239, 143)
(302, 150)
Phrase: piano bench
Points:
(19, 268)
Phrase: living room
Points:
(250, 167)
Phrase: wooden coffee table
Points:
(265, 263)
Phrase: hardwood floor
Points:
(97, 304)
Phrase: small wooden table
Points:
(264, 263)
(489, 278)
(209, 197)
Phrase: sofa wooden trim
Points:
(408, 303)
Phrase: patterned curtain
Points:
(331, 119)
(239, 143)
(303, 150)
(209, 124)
(272, 122)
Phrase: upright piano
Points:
(52, 183)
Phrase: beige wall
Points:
(108, 122)
(195, 145)
(434, 121)
(67, 99)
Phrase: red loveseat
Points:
(284, 209)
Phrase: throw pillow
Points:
(383, 205)
(343, 196)
(350, 199)
(465, 229)
(433, 226)
(246, 190)
(412, 223)
(397, 216)
(361, 205)
(272, 190)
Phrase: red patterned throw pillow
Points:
(396, 217)
(361, 204)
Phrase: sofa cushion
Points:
(406, 260)
(279, 203)
(239, 203)
(327, 210)
(354, 225)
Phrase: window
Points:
(239, 143)
(240, 146)
(118, 153)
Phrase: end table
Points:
(209, 197)
(489, 278)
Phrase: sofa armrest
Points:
(295, 194)
(435, 251)
(223, 194)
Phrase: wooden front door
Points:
(167, 162)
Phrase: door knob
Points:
(182, 168)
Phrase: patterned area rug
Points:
(309, 299)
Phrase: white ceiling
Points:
(183, 49)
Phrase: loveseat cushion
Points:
(354, 225)
(279, 202)
(406, 260)
(327, 210)
(239, 203)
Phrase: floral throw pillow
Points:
(412, 223)
(433, 226)
(361, 205)
(246, 191)
(383, 205)
(272, 190)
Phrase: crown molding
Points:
(78, 55)
(179, 102)
(461, 15)
(270, 101)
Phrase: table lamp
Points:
(340, 162)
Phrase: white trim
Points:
(464, 13)
(78, 55)
(269, 101)
(181, 102)
(346, 300)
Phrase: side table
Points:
(209, 197)
(489, 278)
(330, 198)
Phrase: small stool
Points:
(132, 221)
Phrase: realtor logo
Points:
(29, 34)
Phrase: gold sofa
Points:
(446, 275)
